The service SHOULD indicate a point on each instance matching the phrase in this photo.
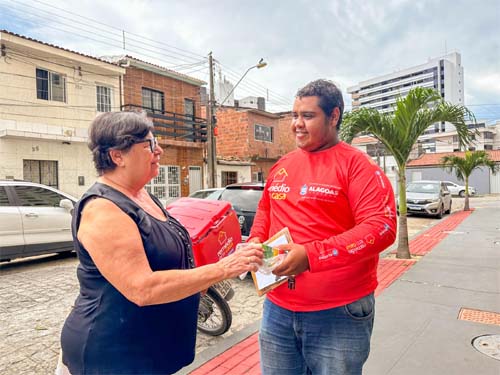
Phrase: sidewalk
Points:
(426, 309)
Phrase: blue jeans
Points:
(331, 342)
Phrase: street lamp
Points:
(259, 65)
(211, 149)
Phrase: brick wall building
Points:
(172, 100)
(255, 138)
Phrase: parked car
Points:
(430, 198)
(34, 219)
(213, 193)
(244, 198)
(459, 190)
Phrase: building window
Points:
(167, 184)
(488, 135)
(257, 177)
(189, 108)
(41, 172)
(50, 86)
(263, 133)
(103, 98)
(229, 177)
(488, 147)
(153, 100)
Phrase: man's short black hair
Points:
(329, 96)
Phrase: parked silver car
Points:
(34, 219)
(430, 198)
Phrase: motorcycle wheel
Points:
(214, 314)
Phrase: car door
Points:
(47, 227)
(446, 196)
(11, 227)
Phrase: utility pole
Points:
(211, 150)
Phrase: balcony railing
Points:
(180, 127)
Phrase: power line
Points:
(118, 29)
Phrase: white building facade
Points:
(444, 74)
(49, 97)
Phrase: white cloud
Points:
(347, 41)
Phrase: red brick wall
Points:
(175, 91)
(286, 138)
(232, 139)
(183, 157)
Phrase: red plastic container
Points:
(212, 225)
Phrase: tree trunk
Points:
(403, 251)
(466, 204)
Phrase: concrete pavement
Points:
(418, 330)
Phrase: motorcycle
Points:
(214, 313)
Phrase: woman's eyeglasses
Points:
(153, 142)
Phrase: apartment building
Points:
(444, 74)
(48, 97)
(486, 137)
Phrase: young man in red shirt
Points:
(340, 210)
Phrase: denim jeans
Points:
(331, 342)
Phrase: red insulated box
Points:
(212, 225)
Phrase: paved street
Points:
(36, 295)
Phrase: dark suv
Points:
(244, 197)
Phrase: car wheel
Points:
(462, 193)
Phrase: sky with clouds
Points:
(346, 41)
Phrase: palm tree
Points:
(465, 166)
(399, 133)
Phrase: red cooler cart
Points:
(212, 225)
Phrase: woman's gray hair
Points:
(117, 131)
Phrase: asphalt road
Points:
(36, 295)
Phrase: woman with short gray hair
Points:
(139, 291)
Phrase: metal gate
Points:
(194, 179)
(167, 184)
(494, 183)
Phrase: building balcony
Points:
(174, 126)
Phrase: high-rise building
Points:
(444, 74)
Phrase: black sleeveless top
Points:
(107, 334)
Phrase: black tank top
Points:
(107, 334)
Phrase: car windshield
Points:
(214, 195)
(422, 188)
(243, 199)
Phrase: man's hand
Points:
(295, 262)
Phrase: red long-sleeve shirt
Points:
(340, 206)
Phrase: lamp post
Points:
(211, 149)
(259, 65)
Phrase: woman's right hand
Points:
(246, 258)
